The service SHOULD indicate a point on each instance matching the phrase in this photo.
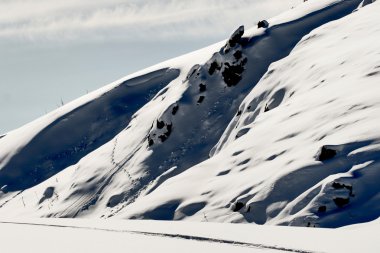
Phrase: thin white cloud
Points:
(129, 19)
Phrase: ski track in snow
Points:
(168, 235)
(89, 201)
(11, 198)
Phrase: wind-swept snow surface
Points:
(275, 125)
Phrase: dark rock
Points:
(200, 99)
(193, 70)
(238, 206)
(337, 185)
(263, 24)
(232, 74)
(238, 113)
(169, 128)
(266, 109)
(163, 137)
(175, 109)
(238, 54)
(202, 87)
(213, 67)
(322, 209)
(166, 135)
(160, 124)
(236, 36)
(326, 154)
(341, 202)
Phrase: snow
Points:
(52, 238)
(157, 236)
(274, 126)
(286, 157)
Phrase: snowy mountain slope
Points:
(46, 154)
(269, 167)
(166, 236)
(138, 150)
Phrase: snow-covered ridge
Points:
(267, 127)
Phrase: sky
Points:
(58, 50)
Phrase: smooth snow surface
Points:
(275, 126)
(82, 235)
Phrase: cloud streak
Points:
(78, 20)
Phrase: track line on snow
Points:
(11, 198)
(87, 201)
(173, 236)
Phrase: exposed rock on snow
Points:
(263, 24)
(326, 154)
(234, 39)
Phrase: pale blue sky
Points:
(53, 49)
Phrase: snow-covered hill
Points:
(275, 125)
